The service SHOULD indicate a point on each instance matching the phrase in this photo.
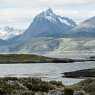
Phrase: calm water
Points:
(51, 71)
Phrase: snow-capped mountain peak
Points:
(48, 12)
(52, 17)
(48, 24)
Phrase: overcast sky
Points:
(21, 12)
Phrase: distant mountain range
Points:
(46, 33)
(8, 32)
(84, 29)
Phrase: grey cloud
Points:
(43, 3)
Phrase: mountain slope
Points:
(75, 48)
(84, 29)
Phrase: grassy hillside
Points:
(75, 48)
(30, 58)
(15, 58)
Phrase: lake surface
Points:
(51, 71)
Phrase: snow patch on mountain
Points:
(50, 19)
(64, 21)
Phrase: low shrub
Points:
(68, 91)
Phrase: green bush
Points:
(10, 78)
(57, 83)
(81, 93)
(24, 86)
(68, 91)
(90, 87)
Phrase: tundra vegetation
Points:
(36, 86)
